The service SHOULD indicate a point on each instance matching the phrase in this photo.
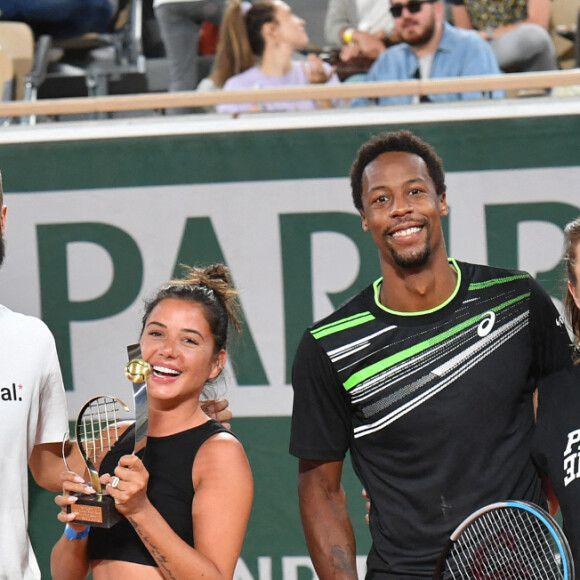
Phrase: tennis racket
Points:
(510, 540)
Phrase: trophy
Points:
(96, 433)
(138, 371)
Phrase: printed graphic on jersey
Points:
(572, 458)
(389, 371)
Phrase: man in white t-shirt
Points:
(33, 421)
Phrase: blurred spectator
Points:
(516, 29)
(270, 33)
(180, 23)
(232, 56)
(431, 48)
(61, 18)
(364, 28)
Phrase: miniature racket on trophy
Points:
(96, 433)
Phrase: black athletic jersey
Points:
(169, 461)
(435, 407)
(556, 446)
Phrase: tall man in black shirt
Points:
(427, 377)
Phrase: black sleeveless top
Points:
(169, 461)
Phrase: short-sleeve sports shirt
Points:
(435, 407)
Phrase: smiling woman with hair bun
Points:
(186, 495)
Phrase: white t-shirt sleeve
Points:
(52, 413)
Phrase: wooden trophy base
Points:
(96, 510)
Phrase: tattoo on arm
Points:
(161, 560)
(344, 559)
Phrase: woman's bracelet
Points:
(72, 535)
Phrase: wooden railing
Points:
(155, 101)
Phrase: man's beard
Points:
(2, 249)
(414, 260)
(424, 38)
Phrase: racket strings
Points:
(503, 545)
(99, 427)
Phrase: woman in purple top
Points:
(273, 33)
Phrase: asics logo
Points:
(486, 324)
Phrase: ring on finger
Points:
(114, 482)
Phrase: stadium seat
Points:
(563, 29)
(97, 58)
(17, 42)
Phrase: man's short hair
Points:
(399, 141)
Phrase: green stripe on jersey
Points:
(392, 360)
(343, 324)
(495, 281)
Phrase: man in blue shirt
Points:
(431, 48)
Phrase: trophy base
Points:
(96, 510)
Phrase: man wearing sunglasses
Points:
(431, 48)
